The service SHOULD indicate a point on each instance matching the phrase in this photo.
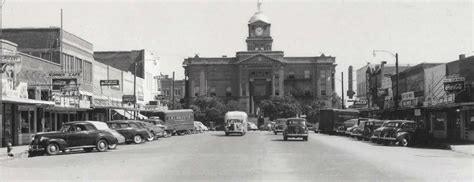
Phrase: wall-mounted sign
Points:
(129, 99)
(10, 59)
(454, 85)
(382, 92)
(109, 82)
(73, 74)
(60, 83)
(360, 102)
(408, 96)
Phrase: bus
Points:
(176, 121)
(331, 119)
(235, 122)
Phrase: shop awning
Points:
(86, 93)
(129, 114)
(26, 101)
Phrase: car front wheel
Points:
(52, 149)
(102, 145)
(151, 137)
(404, 142)
(137, 139)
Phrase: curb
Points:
(17, 155)
(453, 148)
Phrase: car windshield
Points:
(101, 126)
(234, 121)
(65, 128)
(296, 122)
(409, 126)
(392, 124)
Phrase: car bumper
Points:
(296, 135)
(35, 148)
(278, 131)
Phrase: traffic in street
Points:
(257, 156)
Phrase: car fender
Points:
(109, 138)
(61, 142)
(400, 135)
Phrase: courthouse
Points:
(261, 72)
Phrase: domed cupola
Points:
(259, 38)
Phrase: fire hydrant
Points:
(9, 149)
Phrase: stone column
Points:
(281, 80)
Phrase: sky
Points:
(419, 31)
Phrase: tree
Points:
(280, 107)
(208, 109)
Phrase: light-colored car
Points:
(252, 126)
(103, 126)
(200, 127)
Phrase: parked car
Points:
(280, 125)
(312, 127)
(72, 135)
(200, 127)
(346, 124)
(402, 132)
(366, 129)
(155, 131)
(161, 124)
(103, 126)
(252, 126)
(130, 130)
(295, 128)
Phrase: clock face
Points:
(259, 31)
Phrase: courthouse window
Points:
(291, 74)
(306, 73)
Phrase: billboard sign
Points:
(129, 99)
(454, 84)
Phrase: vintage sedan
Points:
(72, 135)
(341, 130)
(160, 124)
(402, 132)
(366, 128)
(103, 126)
(130, 130)
(295, 128)
(155, 131)
(280, 125)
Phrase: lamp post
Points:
(396, 73)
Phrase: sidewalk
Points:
(18, 153)
(463, 148)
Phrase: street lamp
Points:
(396, 72)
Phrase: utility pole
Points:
(1, 74)
(172, 93)
(396, 72)
(135, 90)
(342, 91)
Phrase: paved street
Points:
(258, 156)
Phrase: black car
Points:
(72, 135)
(132, 131)
(295, 128)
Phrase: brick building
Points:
(261, 72)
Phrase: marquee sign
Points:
(454, 85)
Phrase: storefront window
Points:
(24, 120)
(47, 122)
(439, 120)
(471, 121)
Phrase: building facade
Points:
(260, 72)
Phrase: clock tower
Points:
(259, 38)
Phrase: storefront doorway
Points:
(8, 125)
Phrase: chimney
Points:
(462, 56)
